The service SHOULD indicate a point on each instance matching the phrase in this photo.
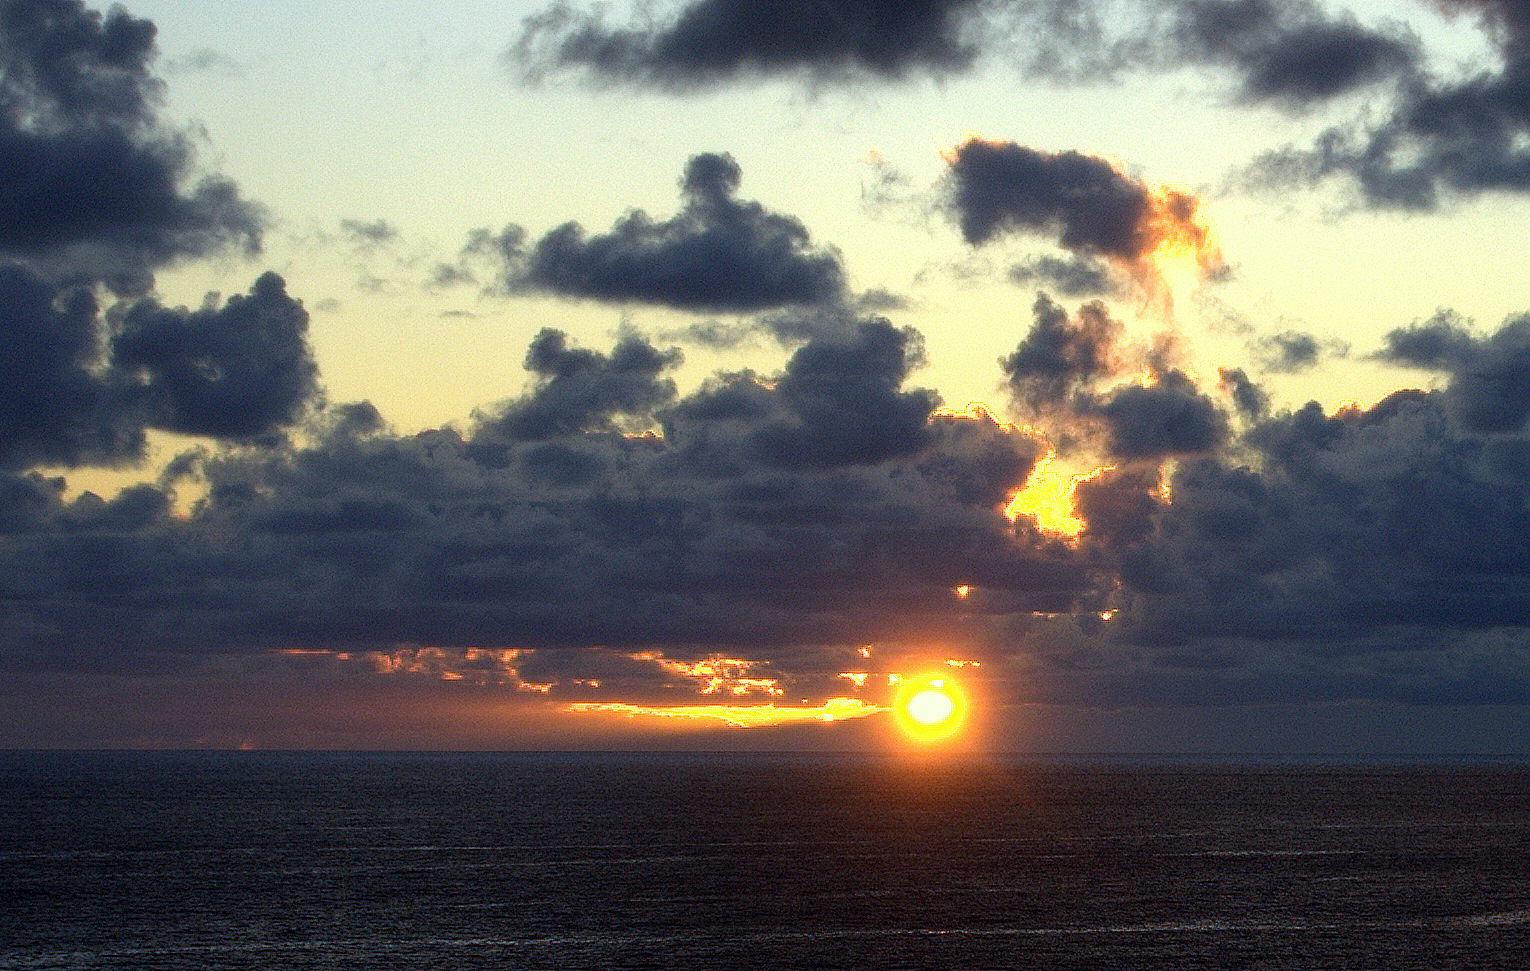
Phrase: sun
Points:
(930, 708)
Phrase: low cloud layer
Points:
(785, 519)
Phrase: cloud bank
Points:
(794, 532)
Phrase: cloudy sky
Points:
(691, 374)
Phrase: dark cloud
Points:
(718, 253)
(1440, 343)
(1061, 355)
(1249, 398)
(91, 185)
(1292, 53)
(783, 519)
(1083, 201)
(1076, 277)
(843, 401)
(825, 506)
(239, 371)
(55, 408)
(585, 391)
(1444, 138)
(79, 387)
(1363, 525)
(1119, 506)
(1170, 417)
(1489, 389)
(75, 65)
(1292, 351)
(709, 41)
(1289, 53)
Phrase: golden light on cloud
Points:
(1048, 498)
(930, 708)
(736, 716)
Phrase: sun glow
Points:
(1047, 497)
(736, 716)
(930, 708)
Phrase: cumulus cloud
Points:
(717, 253)
(1489, 389)
(80, 387)
(1171, 417)
(92, 186)
(580, 390)
(1085, 202)
(782, 519)
(1060, 355)
(238, 371)
(55, 408)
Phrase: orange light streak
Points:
(737, 716)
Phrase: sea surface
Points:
(475, 861)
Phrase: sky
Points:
(705, 373)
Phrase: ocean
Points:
(718, 862)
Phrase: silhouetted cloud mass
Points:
(91, 185)
(816, 509)
(81, 386)
(585, 391)
(717, 253)
(1083, 201)
(1060, 355)
(55, 408)
(238, 371)
(1291, 53)
(1489, 389)
(716, 40)
(589, 535)
(1168, 418)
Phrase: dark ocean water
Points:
(742, 861)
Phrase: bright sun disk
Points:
(930, 708)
